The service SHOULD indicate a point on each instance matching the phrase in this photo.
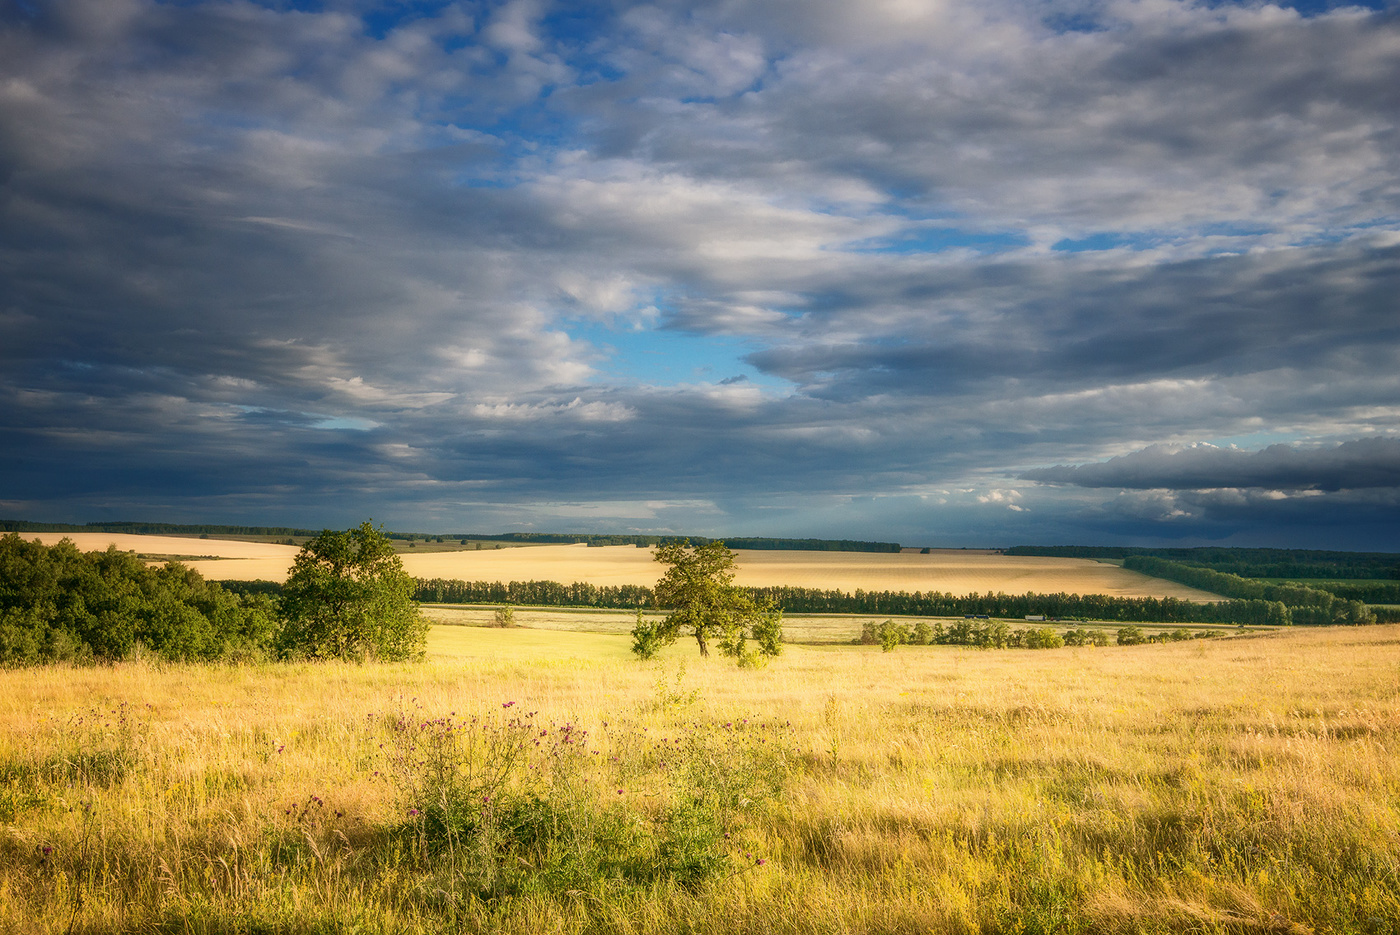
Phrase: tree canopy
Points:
(698, 588)
(59, 604)
(348, 597)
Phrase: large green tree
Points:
(698, 588)
(348, 597)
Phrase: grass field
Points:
(797, 628)
(1239, 785)
(952, 571)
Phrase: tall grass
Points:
(1241, 785)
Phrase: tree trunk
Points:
(700, 638)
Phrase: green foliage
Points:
(1042, 638)
(348, 597)
(58, 604)
(507, 805)
(504, 617)
(1246, 562)
(891, 635)
(1131, 636)
(1286, 603)
(646, 637)
(697, 587)
(822, 601)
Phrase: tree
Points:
(698, 589)
(348, 597)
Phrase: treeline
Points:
(1307, 606)
(58, 604)
(155, 529)
(997, 634)
(1372, 592)
(1245, 562)
(539, 593)
(893, 603)
(741, 542)
(1061, 606)
(553, 538)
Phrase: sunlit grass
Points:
(1247, 784)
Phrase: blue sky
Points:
(946, 272)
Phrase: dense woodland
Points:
(58, 604)
(347, 597)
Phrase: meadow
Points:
(1246, 784)
(952, 571)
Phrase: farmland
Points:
(953, 571)
(1243, 784)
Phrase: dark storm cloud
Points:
(256, 259)
(1363, 463)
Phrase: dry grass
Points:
(797, 628)
(1242, 785)
(952, 571)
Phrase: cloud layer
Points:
(796, 269)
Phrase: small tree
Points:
(698, 589)
(348, 597)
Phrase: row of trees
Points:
(1245, 562)
(1305, 605)
(897, 603)
(998, 634)
(347, 597)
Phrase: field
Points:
(952, 571)
(1232, 785)
(797, 628)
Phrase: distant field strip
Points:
(952, 571)
(797, 628)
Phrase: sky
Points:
(939, 272)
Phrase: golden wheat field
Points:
(1231, 785)
(952, 571)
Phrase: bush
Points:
(1130, 636)
(1043, 638)
(502, 805)
(891, 634)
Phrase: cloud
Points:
(1358, 464)
(764, 262)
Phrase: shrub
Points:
(504, 804)
(891, 634)
(646, 637)
(1130, 636)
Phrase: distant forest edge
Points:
(1247, 612)
(543, 538)
(1247, 563)
(734, 542)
